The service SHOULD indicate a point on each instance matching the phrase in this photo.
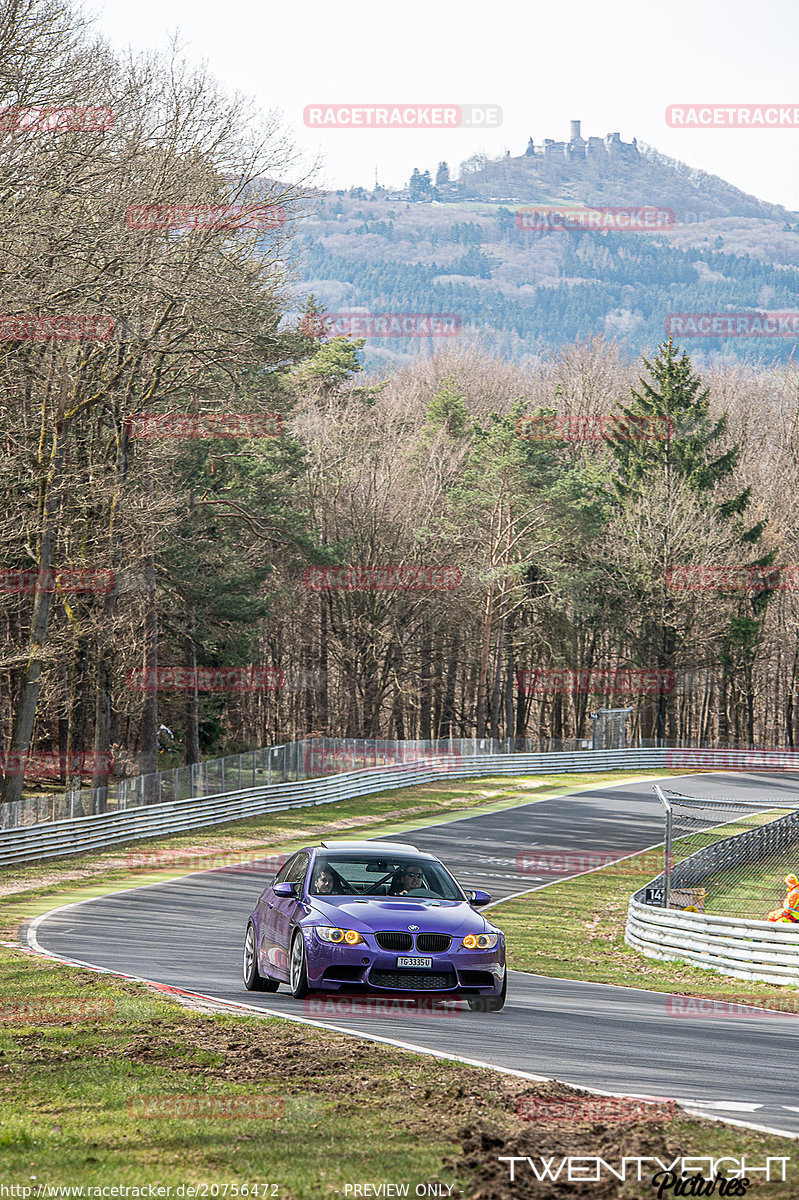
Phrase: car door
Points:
(272, 962)
(288, 909)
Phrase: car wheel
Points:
(253, 980)
(490, 1003)
(298, 970)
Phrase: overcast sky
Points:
(615, 65)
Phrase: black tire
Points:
(490, 1003)
(298, 968)
(253, 980)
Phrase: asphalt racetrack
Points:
(189, 934)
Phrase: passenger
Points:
(406, 880)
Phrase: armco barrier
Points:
(58, 838)
(737, 946)
(759, 950)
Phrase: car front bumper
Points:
(455, 972)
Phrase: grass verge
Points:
(125, 1088)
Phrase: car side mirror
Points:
(285, 889)
(478, 898)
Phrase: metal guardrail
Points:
(60, 838)
(743, 949)
(737, 946)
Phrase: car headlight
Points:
(346, 937)
(480, 941)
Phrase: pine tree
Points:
(665, 442)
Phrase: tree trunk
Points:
(482, 681)
(25, 715)
(424, 683)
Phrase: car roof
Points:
(376, 848)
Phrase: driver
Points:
(406, 880)
(324, 882)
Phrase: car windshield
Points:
(378, 875)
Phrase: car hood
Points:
(448, 916)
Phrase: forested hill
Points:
(457, 247)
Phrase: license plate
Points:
(415, 962)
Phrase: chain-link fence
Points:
(291, 762)
(726, 856)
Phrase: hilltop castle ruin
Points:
(579, 147)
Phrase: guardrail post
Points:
(239, 772)
(223, 773)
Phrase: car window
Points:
(297, 868)
(386, 876)
(283, 874)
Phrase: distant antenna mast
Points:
(376, 183)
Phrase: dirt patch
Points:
(490, 1178)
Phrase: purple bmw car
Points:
(374, 916)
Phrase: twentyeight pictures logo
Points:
(402, 116)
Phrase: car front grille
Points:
(433, 942)
(394, 941)
(413, 981)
